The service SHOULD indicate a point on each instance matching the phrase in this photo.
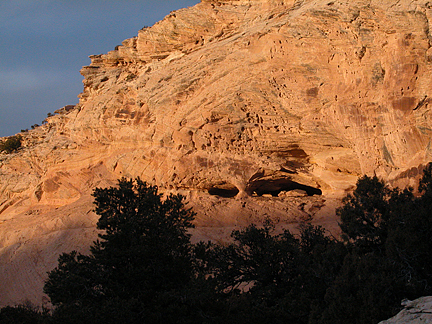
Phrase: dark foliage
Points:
(364, 214)
(23, 314)
(278, 278)
(388, 236)
(11, 144)
(144, 269)
(142, 261)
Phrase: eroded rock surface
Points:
(251, 109)
(417, 311)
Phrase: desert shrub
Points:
(11, 144)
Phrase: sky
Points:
(45, 43)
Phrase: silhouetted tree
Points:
(388, 237)
(275, 278)
(141, 261)
(364, 214)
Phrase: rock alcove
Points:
(274, 187)
(224, 189)
(264, 183)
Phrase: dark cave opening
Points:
(224, 190)
(275, 186)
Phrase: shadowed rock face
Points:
(414, 312)
(251, 109)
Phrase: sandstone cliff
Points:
(250, 108)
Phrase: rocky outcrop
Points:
(418, 311)
(251, 109)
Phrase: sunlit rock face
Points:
(251, 109)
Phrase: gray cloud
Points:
(24, 79)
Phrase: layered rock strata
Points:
(251, 109)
